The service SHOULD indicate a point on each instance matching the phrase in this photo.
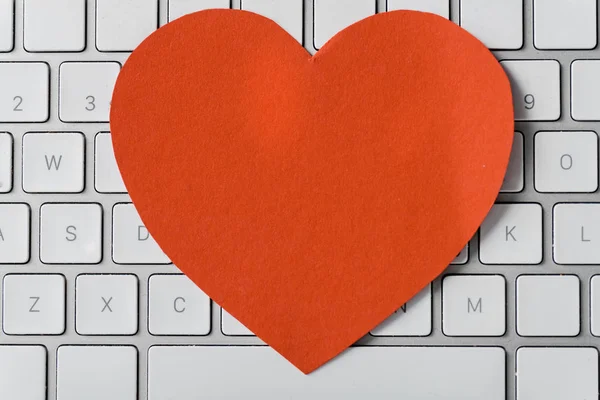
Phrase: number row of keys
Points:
(475, 305)
(85, 91)
(72, 234)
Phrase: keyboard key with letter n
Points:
(258, 372)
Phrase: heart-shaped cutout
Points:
(312, 196)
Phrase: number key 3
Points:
(86, 90)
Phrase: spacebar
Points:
(377, 373)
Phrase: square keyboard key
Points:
(439, 7)
(566, 162)
(121, 25)
(53, 162)
(71, 233)
(565, 24)
(86, 90)
(412, 319)
(288, 14)
(7, 25)
(179, 8)
(132, 243)
(25, 94)
(331, 16)
(548, 305)
(512, 234)
(33, 304)
(498, 24)
(15, 232)
(53, 26)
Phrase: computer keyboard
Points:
(92, 308)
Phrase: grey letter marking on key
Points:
(178, 310)
(583, 239)
(52, 162)
(146, 234)
(510, 233)
(106, 304)
(72, 236)
(35, 301)
(477, 306)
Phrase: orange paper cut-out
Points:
(312, 196)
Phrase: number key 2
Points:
(25, 92)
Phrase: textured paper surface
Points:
(312, 196)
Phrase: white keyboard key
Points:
(53, 162)
(34, 305)
(548, 305)
(512, 234)
(577, 233)
(15, 225)
(557, 373)
(97, 373)
(106, 305)
(177, 306)
(439, 7)
(71, 233)
(25, 92)
(463, 256)
(288, 14)
(121, 25)
(536, 89)
(86, 90)
(23, 372)
(412, 319)
(6, 162)
(230, 326)
(595, 305)
(585, 90)
(179, 8)
(331, 16)
(382, 373)
(514, 180)
(7, 25)
(474, 305)
(57, 25)
(498, 24)
(132, 243)
(107, 177)
(566, 162)
(564, 24)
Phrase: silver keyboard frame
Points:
(143, 340)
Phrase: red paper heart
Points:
(312, 196)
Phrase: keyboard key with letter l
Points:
(382, 373)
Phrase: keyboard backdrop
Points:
(527, 279)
